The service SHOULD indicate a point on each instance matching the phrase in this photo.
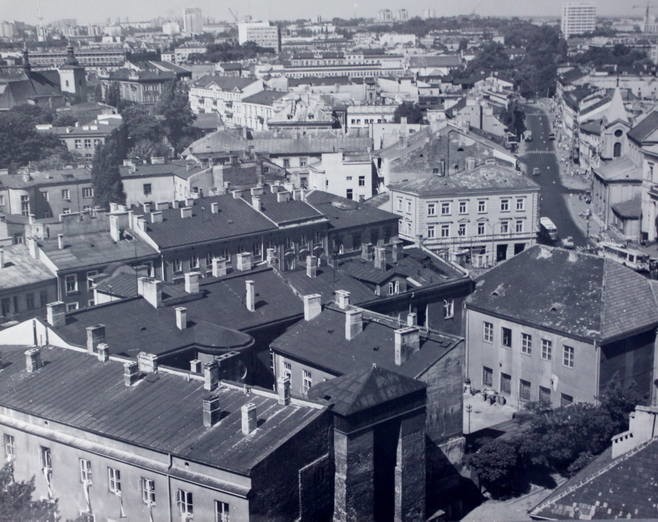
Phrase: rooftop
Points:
(264, 97)
(345, 213)
(47, 177)
(646, 131)
(619, 169)
(181, 169)
(224, 83)
(20, 269)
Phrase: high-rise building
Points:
(192, 20)
(578, 18)
(403, 15)
(261, 33)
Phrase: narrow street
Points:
(540, 153)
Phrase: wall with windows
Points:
(139, 189)
(22, 299)
(48, 200)
(347, 176)
(500, 354)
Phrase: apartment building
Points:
(215, 93)
(578, 18)
(144, 87)
(349, 175)
(261, 33)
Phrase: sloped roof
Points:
(449, 60)
(344, 213)
(21, 269)
(619, 169)
(225, 83)
(616, 111)
(28, 86)
(575, 294)
(631, 209)
(264, 97)
(363, 390)
(646, 130)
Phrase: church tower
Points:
(72, 77)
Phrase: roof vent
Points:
(130, 373)
(185, 212)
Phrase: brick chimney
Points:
(211, 411)
(219, 267)
(147, 362)
(151, 290)
(192, 282)
(366, 251)
(312, 266)
(283, 390)
(243, 261)
(162, 205)
(156, 216)
(237, 194)
(103, 352)
(130, 373)
(210, 376)
(312, 306)
(407, 341)
(147, 207)
(185, 212)
(342, 299)
(195, 366)
(396, 250)
(33, 360)
(256, 202)
(56, 313)
(250, 298)
(353, 324)
(181, 317)
(95, 335)
(249, 418)
(380, 258)
(283, 196)
(270, 254)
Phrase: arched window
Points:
(617, 150)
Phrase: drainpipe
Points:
(171, 515)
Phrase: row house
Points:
(218, 94)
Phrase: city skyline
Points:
(97, 12)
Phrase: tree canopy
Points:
(412, 111)
(16, 500)
(177, 116)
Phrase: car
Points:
(536, 171)
(568, 243)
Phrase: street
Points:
(540, 153)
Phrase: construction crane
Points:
(234, 15)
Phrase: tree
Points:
(105, 174)
(496, 464)
(64, 120)
(177, 115)
(16, 500)
(144, 150)
(412, 111)
(113, 95)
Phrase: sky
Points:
(97, 11)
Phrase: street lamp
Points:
(469, 409)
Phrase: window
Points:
(445, 209)
(43, 297)
(6, 306)
(146, 189)
(482, 206)
(546, 349)
(72, 307)
(461, 229)
(399, 207)
(506, 336)
(44, 194)
(114, 480)
(505, 383)
(519, 226)
(565, 400)
(29, 301)
(504, 205)
(409, 206)
(286, 163)
(463, 207)
(431, 231)
(431, 209)
(148, 491)
(362, 183)
(66, 194)
(526, 343)
(46, 458)
(520, 204)
(307, 381)
(448, 308)
(185, 502)
(87, 192)
(8, 443)
(194, 261)
(85, 470)
(348, 178)
(25, 205)
(349, 193)
(90, 276)
(287, 370)
(545, 396)
(66, 210)
(504, 227)
(567, 356)
(480, 229)
(524, 390)
(221, 511)
(487, 332)
(445, 230)
(178, 265)
(2, 200)
(71, 283)
(393, 288)
(302, 163)
(487, 376)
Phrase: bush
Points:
(496, 464)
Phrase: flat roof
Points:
(20, 269)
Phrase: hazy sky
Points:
(97, 11)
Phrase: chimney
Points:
(186, 212)
(396, 250)
(283, 390)
(211, 411)
(270, 256)
(312, 306)
(162, 205)
(181, 317)
(256, 202)
(342, 299)
(103, 352)
(95, 335)
(195, 366)
(250, 298)
(174, 204)
(147, 207)
(156, 216)
(147, 362)
(366, 249)
(2, 257)
(218, 267)
(274, 189)
(237, 194)
(192, 282)
(210, 376)
(243, 261)
(214, 207)
(380, 258)
(257, 191)
(151, 291)
(282, 196)
(33, 247)
(412, 319)
(33, 360)
(312, 266)
(407, 341)
(56, 314)
(60, 241)
(353, 324)
(249, 418)
(130, 373)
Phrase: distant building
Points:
(171, 28)
(578, 18)
(350, 175)
(105, 57)
(261, 33)
(192, 21)
(219, 94)
(144, 87)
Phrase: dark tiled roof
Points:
(451, 60)
(363, 390)
(624, 488)
(577, 294)
(264, 97)
(344, 213)
(225, 83)
(20, 269)
(182, 169)
(327, 282)
(77, 390)
(29, 86)
(619, 169)
(646, 128)
(288, 212)
(631, 209)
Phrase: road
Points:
(541, 153)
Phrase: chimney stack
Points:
(366, 251)
(2, 258)
(192, 282)
(147, 207)
(33, 360)
(250, 298)
(151, 290)
(256, 202)
(237, 194)
(312, 306)
(214, 207)
(282, 196)
(60, 241)
(56, 314)
(342, 298)
(380, 258)
(249, 418)
(312, 266)
(243, 261)
(210, 376)
(147, 362)
(103, 352)
(156, 216)
(353, 324)
(211, 411)
(130, 373)
(162, 205)
(396, 250)
(283, 390)
(412, 319)
(95, 335)
(407, 341)
(195, 366)
(181, 317)
(270, 256)
(185, 212)
(219, 267)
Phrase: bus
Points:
(547, 229)
(635, 259)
